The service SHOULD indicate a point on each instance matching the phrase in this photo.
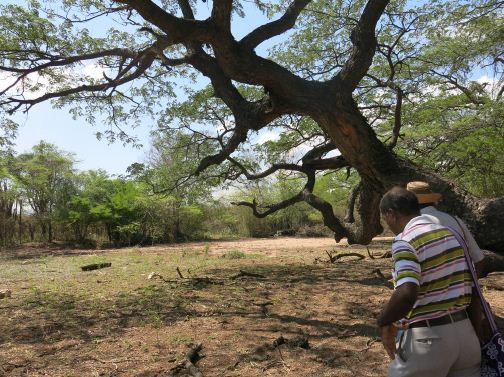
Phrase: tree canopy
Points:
(388, 91)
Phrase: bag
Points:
(492, 352)
(492, 357)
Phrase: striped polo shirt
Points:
(429, 255)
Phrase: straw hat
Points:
(423, 192)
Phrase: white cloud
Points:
(267, 136)
(95, 71)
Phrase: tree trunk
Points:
(380, 169)
(492, 263)
(50, 232)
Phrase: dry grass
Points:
(61, 321)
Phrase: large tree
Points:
(319, 83)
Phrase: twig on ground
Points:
(369, 343)
(114, 361)
(337, 257)
(248, 274)
(179, 273)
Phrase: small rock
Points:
(5, 293)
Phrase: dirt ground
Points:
(272, 307)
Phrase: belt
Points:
(444, 320)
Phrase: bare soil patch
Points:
(287, 313)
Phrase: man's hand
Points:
(388, 335)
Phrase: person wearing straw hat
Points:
(432, 290)
(427, 198)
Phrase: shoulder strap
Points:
(486, 307)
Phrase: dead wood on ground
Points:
(335, 257)
(189, 362)
(96, 266)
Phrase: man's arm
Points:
(398, 306)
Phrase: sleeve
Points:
(407, 268)
(474, 250)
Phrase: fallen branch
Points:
(342, 255)
(180, 273)
(95, 266)
(331, 256)
(191, 358)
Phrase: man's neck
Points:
(405, 219)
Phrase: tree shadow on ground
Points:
(49, 317)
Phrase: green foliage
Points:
(44, 176)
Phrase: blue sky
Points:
(57, 127)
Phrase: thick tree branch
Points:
(364, 44)
(270, 208)
(187, 11)
(274, 28)
(330, 163)
(349, 214)
(325, 208)
(221, 14)
(140, 62)
(317, 152)
(178, 30)
(397, 119)
(272, 169)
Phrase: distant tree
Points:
(10, 202)
(92, 190)
(44, 176)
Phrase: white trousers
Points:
(450, 350)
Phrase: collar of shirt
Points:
(422, 219)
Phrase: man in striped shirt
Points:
(433, 288)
